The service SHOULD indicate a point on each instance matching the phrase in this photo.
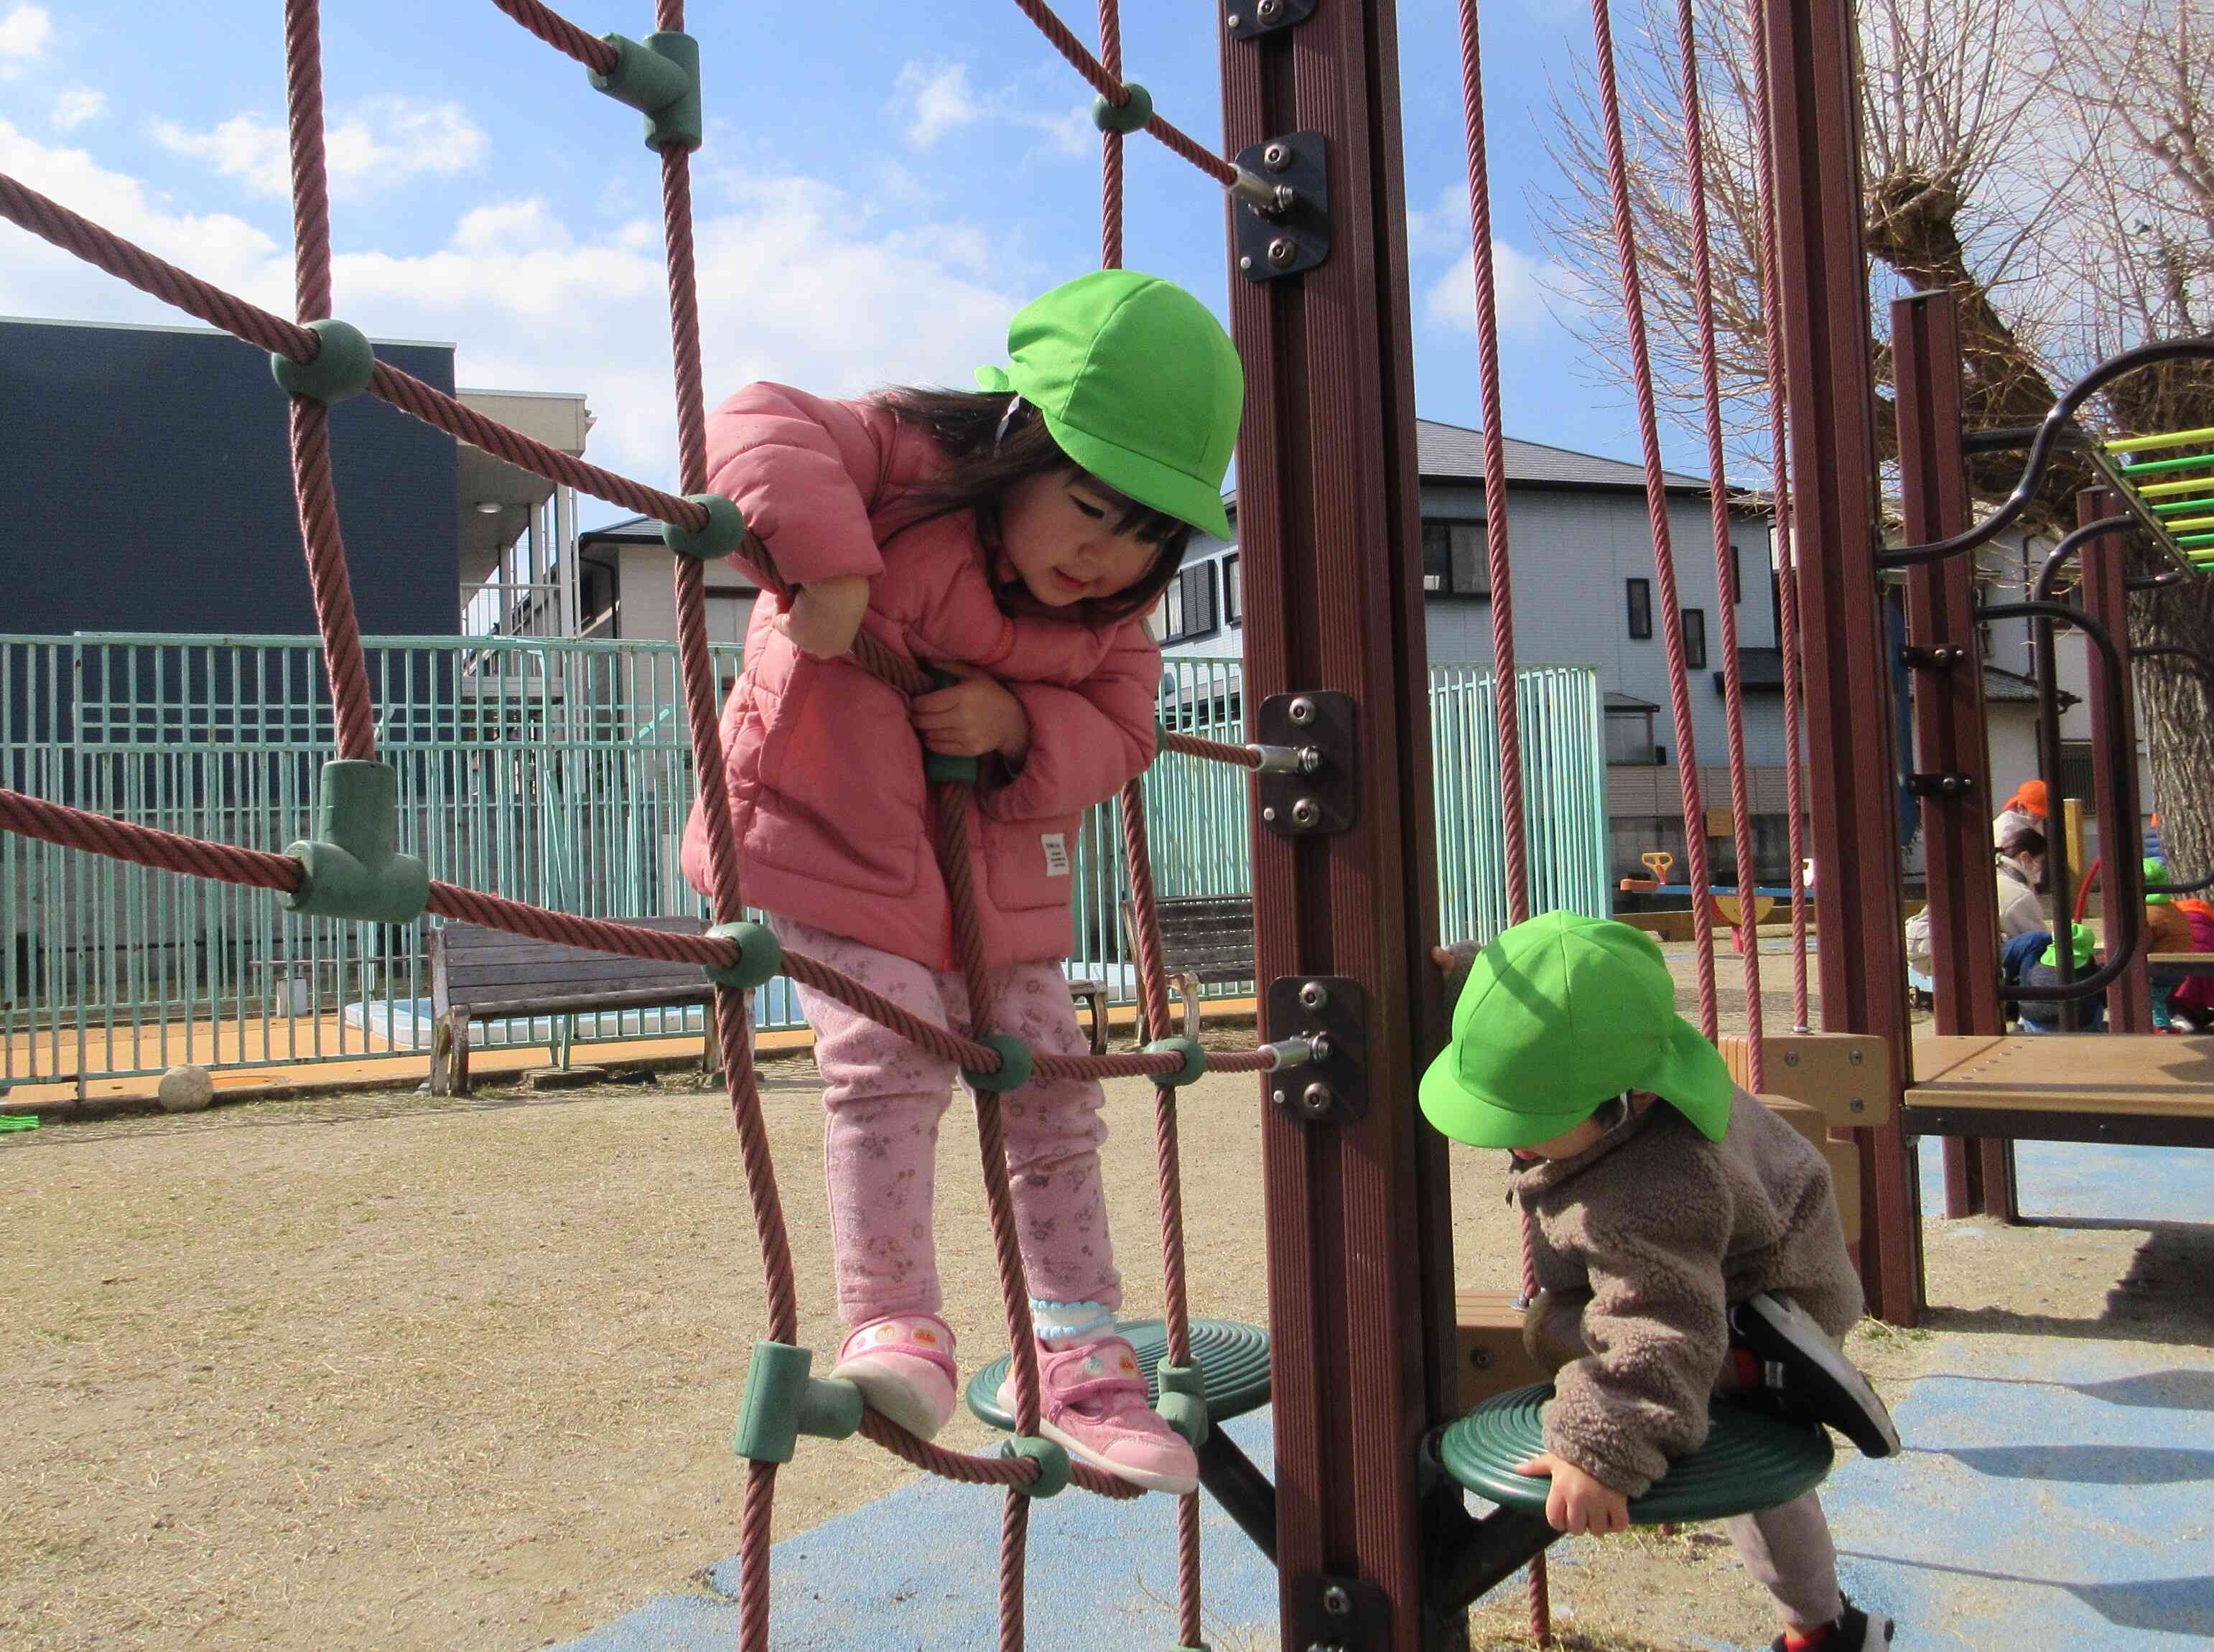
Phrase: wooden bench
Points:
(481, 974)
(2182, 963)
(1206, 941)
(2140, 1089)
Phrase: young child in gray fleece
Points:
(1665, 1205)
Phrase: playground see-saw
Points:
(1378, 1430)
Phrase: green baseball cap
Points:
(2155, 871)
(1138, 384)
(1558, 1015)
(2082, 936)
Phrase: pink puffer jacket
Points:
(826, 784)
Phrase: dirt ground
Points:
(378, 1371)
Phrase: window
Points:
(1188, 603)
(1737, 578)
(2078, 777)
(1641, 610)
(1454, 560)
(1233, 591)
(1694, 639)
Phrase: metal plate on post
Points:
(1338, 1613)
(1333, 1088)
(1317, 800)
(1248, 19)
(1295, 237)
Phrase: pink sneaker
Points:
(1092, 1403)
(903, 1366)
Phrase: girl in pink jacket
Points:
(1016, 537)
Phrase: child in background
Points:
(1017, 538)
(2043, 1014)
(2026, 810)
(2166, 929)
(1687, 1240)
(2191, 1005)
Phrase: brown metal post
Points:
(2114, 774)
(1815, 118)
(1360, 1243)
(1949, 726)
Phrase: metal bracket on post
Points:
(1249, 19)
(1339, 1615)
(1281, 225)
(1944, 786)
(1943, 658)
(1331, 1012)
(1313, 798)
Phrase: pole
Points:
(2114, 774)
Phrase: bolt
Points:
(1246, 263)
(1279, 1097)
(1269, 813)
(1325, 1646)
(1276, 156)
(1859, 1105)
(1314, 995)
(1301, 710)
(1318, 1047)
(1855, 1057)
(1309, 759)
(1318, 1098)
(1269, 10)
(1335, 1601)
(1305, 812)
(1236, 21)
(1281, 252)
(1791, 1058)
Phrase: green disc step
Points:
(1751, 1460)
(1232, 1358)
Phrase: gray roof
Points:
(1453, 452)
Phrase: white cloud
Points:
(1443, 228)
(24, 32)
(934, 101)
(77, 104)
(1522, 286)
(385, 140)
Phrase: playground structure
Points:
(1374, 1548)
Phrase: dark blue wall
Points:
(145, 484)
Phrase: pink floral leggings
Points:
(882, 1098)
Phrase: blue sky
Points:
(882, 185)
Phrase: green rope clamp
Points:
(659, 77)
(944, 765)
(340, 366)
(1183, 1402)
(1195, 1061)
(1051, 1458)
(1127, 118)
(724, 532)
(782, 1402)
(352, 864)
(1015, 1064)
(760, 956)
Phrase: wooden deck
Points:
(2138, 1089)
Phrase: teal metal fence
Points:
(556, 772)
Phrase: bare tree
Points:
(2051, 162)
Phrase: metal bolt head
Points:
(1309, 759)
(1269, 10)
(1236, 21)
(1791, 1058)
(1246, 263)
(1325, 1646)
(1855, 1057)
(1320, 1047)
(1313, 996)
(1318, 1098)
(1269, 813)
(1279, 1097)
(1301, 710)
(1276, 156)
(1305, 812)
(1337, 1601)
(1281, 252)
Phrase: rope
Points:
(1214, 751)
(561, 34)
(1779, 486)
(1726, 571)
(1110, 86)
(1110, 155)
(1656, 508)
(1506, 704)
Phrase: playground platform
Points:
(2053, 1493)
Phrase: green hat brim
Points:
(1691, 1076)
(1147, 480)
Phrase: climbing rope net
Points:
(350, 869)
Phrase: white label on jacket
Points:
(1056, 853)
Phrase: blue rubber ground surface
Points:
(2056, 1493)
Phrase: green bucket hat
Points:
(1138, 384)
(2155, 871)
(1558, 1015)
(2080, 934)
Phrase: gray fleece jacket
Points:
(1649, 1236)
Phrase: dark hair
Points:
(2024, 840)
(991, 442)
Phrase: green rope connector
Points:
(782, 1402)
(1015, 1064)
(353, 867)
(944, 765)
(1183, 1401)
(341, 368)
(760, 956)
(1050, 1457)
(1130, 116)
(1195, 1061)
(659, 77)
(724, 532)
